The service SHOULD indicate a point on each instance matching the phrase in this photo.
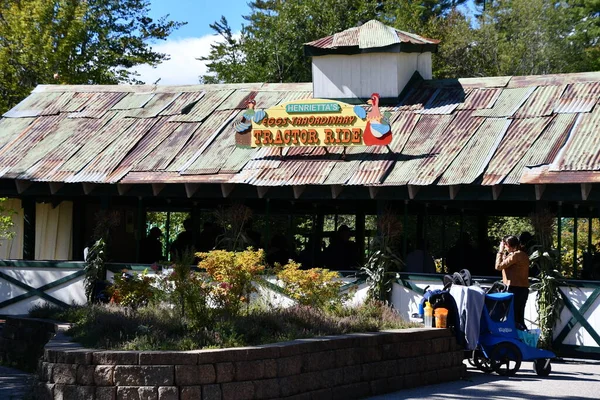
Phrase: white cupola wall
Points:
(370, 58)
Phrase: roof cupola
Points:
(370, 58)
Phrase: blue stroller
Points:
(500, 348)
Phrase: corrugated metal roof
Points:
(418, 148)
(521, 134)
(448, 132)
(582, 150)
(447, 147)
(370, 35)
(375, 34)
(541, 102)
(545, 148)
(578, 98)
(475, 156)
(507, 104)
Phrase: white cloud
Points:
(183, 68)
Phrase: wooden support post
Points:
(267, 225)
(589, 244)
(360, 235)
(559, 233)
(29, 209)
(404, 231)
(78, 229)
(140, 232)
(444, 238)
(575, 226)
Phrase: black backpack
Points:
(443, 299)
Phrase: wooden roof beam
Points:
(191, 188)
(55, 187)
(262, 191)
(22, 185)
(298, 190)
(453, 191)
(336, 190)
(539, 191)
(373, 191)
(496, 190)
(412, 191)
(123, 188)
(226, 189)
(586, 188)
(88, 187)
(157, 188)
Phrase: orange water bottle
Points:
(428, 315)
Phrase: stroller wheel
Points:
(506, 359)
(542, 367)
(481, 362)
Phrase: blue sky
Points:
(199, 14)
(193, 40)
(190, 41)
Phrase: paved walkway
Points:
(569, 380)
(14, 384)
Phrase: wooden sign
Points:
(314, 122)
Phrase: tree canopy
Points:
(74, 42)
(502, 37)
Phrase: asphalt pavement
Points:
(569, 380)
(14, 384)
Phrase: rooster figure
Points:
(244, 126)
(378, 129)
(248, 116)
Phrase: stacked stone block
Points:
(337, 367)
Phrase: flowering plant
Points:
(316, 287)
(232, 274)
(132, 290)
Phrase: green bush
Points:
(156, 328)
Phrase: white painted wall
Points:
(70, 292)
(360, 75)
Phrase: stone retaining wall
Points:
(22, 341)
(337, 367)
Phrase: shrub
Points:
(132, 290)
(317, 286)
(232, 274)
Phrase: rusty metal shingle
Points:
(447, 147)
(418, 148)
(476, 154)
(507, 104)
(578, 98)
(521, 134)
(448, 132)
(582, 150)
(545, 148)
